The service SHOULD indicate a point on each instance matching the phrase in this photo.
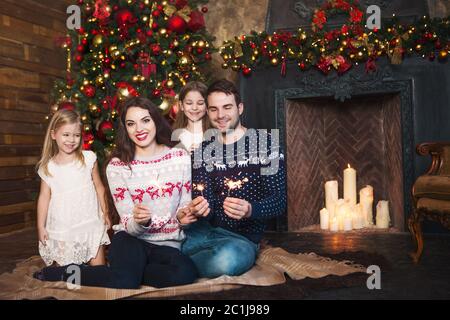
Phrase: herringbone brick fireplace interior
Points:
(324, 135)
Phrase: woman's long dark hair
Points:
(125, 148)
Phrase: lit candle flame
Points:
(349, 165)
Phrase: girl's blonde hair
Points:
(181, 121)
(50, 148)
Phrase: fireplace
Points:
(319, 118)
(324, 135)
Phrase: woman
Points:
(150, 187)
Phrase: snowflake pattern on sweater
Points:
(245, 160)
(163, 184)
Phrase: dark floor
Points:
(400, 278)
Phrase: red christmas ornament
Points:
(81, 30)
(176, 24)
(156, 49)
(204, 9)
(197, 21)
(154, 26)
(180, 4)
(246, 71)
(84, 41)
(88, 139)
(103, 129)
(67, 105)
(78, 58)
(125, 18)
(123, 64)
(80, 48)
(156, 93)
(208, 56)
(160, 7)
(149, 33)
(156, 13)
(89, 91)
(302, 66)
(199, 50)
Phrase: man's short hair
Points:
(227, 87)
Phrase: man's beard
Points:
(232, 127)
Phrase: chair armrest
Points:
(435, 150)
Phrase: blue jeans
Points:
(216, 251)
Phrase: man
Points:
(236, 189)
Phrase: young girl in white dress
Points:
(72, 220)
(191, 121)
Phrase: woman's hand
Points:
(141, 214)
(199, 207)
(185, 216)
(42, 235)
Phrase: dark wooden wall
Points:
(29, 64)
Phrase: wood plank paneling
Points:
(29, 65)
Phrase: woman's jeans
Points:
(216, 251)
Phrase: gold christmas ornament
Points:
(235, 67)
(123, 93)
(443, 54)
(170, 84)
(164, 106)
(99, 80)
(98, 40)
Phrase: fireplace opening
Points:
(324, 135)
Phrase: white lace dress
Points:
(74, 220)
(190, 140)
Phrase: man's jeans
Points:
(216, 251)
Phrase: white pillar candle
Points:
(347, 222)
(331, 196)
(350, 185)
(324, 219)
(341, 210)
(334, 224)
(383, 218)
(357, 217)
(366, 200)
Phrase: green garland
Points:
(339, 49)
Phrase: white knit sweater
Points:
(163, 184)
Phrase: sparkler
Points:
(231, 184)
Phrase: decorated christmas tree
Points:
(127, 48)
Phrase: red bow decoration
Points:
(101, 12)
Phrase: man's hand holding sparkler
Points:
(237, 208)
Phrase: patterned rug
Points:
(270, 269)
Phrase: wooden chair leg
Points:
(414, 224)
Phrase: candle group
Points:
(346, 214)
